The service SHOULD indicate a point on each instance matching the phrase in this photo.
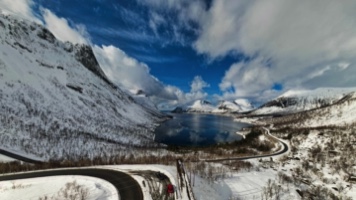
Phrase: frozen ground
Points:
(6, 159)
(246, 184)
(36, 188)
(98, 189)
(239, 185)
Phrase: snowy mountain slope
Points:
(301, 100)
(54, 97)
(201, 106)
(142, 99)
(239, 105)
(244, 104)
(340, 113)
(227, 106)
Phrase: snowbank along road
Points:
(127, 187)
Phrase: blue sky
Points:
(179, 51)
(125, 24)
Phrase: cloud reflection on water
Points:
(198, 130)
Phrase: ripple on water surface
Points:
(198, 130)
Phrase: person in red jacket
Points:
(170, 189)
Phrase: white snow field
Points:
(5, 159)
(98, 188)
(54, 188)
(245, 184)
(202, 106)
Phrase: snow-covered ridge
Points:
(56, 96)
(339, 114)
(302, 100)
(239, 105)
(203, 106)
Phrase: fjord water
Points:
(198, 130)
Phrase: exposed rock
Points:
(85, 55)
(45, 34)
(75, 88)
(178, 110)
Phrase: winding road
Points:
(284, 150)
(127, 187)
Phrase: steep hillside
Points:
(56, 102)
(239, 105)
(340, 114)
(201, 106)
(244, 104)
(227, 106)
(302, 100)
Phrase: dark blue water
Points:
(198, 130)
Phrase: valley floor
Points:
(320, 165)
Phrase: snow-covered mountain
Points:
(203, 106)
(227, 106)
(239, 105)
(339, 113)
(244, 105)
(142, 99)
(55, 101)
(301, 100)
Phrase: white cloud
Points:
(196, 93)
(120, 68)
(186, 14)
(246, 79)
(292, 43)
(155, 22)
(343, 65)
(198, 84)
(62, 30)
(58, 26)
(220, 27)
(21, 8)
(319, 72)
(129, 73)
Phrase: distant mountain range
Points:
(323, 107)
(302, 100)
(302, 108)
(203, 106)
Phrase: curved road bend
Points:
(284, 150)
(127, 186)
